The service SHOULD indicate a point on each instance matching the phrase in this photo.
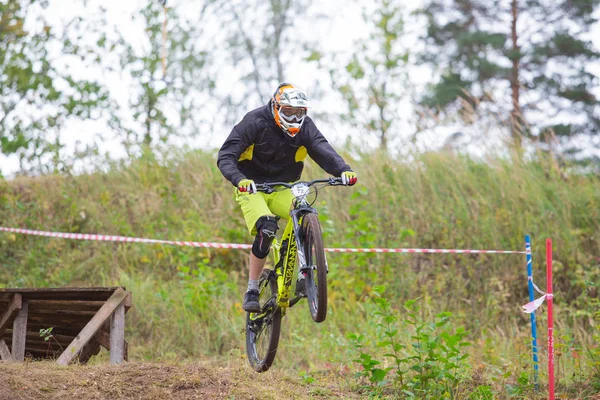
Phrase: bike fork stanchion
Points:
(532, 315)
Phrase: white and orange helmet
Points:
(290, 106)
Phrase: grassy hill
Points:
(187, 301)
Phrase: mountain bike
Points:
(302, 244)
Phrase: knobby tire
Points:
(262, 335)
(316, 278)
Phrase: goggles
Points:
(290, 112)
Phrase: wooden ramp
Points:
(64, 324)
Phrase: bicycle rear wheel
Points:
(263, 328)
(316, 277)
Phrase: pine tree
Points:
(526, 61)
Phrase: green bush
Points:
(187, 300)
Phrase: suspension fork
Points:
(297, 216)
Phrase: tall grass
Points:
(187, 301)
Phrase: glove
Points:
(246, 186)
(349, 178)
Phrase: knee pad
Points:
(266, 228)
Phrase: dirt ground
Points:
(45, 380)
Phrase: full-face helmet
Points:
(290, 105)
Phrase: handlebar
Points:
(270, 186)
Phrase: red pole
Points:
(550, 319)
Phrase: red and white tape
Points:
(126, 239)
(111, 238)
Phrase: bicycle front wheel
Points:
(316, 277)
(263, 328)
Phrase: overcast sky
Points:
(344, 27)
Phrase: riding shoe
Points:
(251, 303)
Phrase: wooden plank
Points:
(117, 335)
(73, 322)
(128, 301)
(43, 347)
(54, 342)
(13, 308)
(67, 313)
(39, 355)
(69, 330)
(33, 336)
(71, 305)
(5, 352)
(19, 333)
(62, 289)
(53, 319)
(75, 293)
(88, 332)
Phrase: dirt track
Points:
(44, 380)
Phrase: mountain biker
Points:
(269, 145)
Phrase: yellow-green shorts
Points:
(260, 204)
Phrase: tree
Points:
(263, 40)
(37, 98)
(171, 82)
(375, 80)
(523, 60)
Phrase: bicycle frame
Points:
(290, 248)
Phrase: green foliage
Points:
(594, 350)
(37, 96)
(170, 76)
(46, 334)
(375, 80)
(513, 62)
(521, 387)
(187, 300)
(483, 392)
(450, 87)
(306, 378)
(431, 367)
(199, 286)
(265, 54)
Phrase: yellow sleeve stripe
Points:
(247, 154)
(301, 154)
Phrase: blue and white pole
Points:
(531, 298)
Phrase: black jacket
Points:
(258, 149)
